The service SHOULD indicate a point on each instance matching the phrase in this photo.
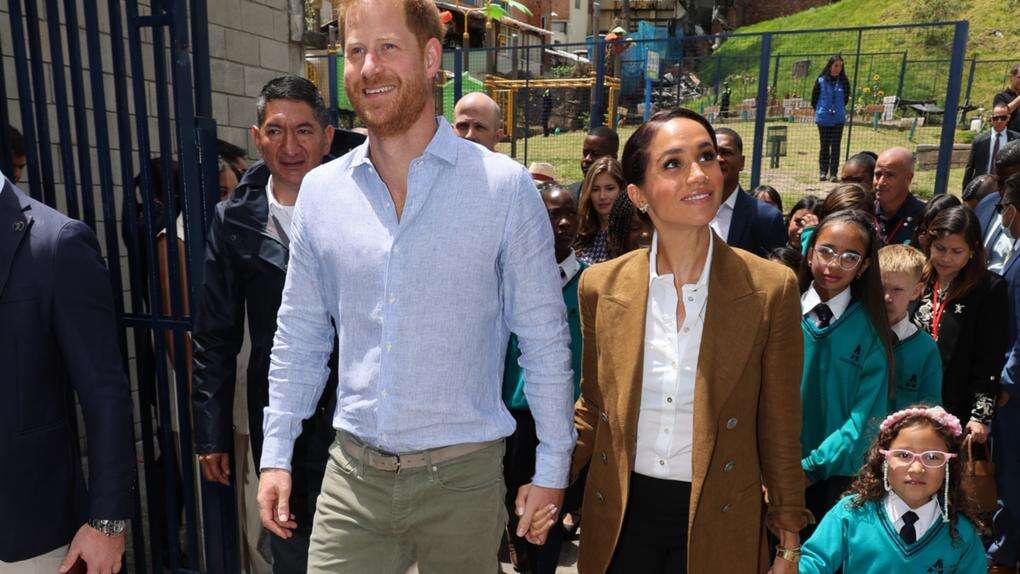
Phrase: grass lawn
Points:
(796, 175)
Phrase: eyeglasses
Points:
(999, 118)
(848, 260)
(1001, 206)
(930, 459)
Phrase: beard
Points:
(399, 113)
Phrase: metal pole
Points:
(759, 109)
(970, 84)
(952, 103)
(598, 90)
(903, 75)
(458, 73)
(853, 100)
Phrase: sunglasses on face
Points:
(930, 458)
(848, 260)
(999, 118)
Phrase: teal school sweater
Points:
(918, 367)
(843, 393)
(864, 541)
(513, 374)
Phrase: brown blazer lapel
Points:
(732, 319)
(623, 340)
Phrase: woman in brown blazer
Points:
(690, 381)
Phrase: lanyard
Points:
(889, 236)
(938, 308)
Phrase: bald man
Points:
(477, 117)
(897, 209)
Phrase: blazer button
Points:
(725, 508)
(605, 459)
(732, 423)
(598, 495)
(729, 466)
(604, 417)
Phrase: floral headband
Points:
(937, 414)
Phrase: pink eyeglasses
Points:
(930, 458)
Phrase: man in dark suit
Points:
(57, 333)
(742, 220)
(987, 145)
(998, 246)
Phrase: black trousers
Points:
(518, 468)
(828, 155)
(654, 534)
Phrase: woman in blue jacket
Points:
(829, 98)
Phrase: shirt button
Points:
(393, 299)
(669, 399)
(674, 364)
(662, 462)
(665, 430)
(732, 423)
(385, 393)
(687, 329)
(389, 346)
(690, 299)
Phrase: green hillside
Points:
(920, 55)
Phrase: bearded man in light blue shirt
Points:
(425, 251)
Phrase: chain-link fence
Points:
(904, 86)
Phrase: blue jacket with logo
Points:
(829, 98)
(843, 393)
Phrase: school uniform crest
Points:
(854, 358)
(958, 309)
(911, 383)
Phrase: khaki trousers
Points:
(447, 517)
(43, 564)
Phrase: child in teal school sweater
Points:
(916, 355)
(847, 354)
(905, 512)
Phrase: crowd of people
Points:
(444, 352)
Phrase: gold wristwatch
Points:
(791, 555)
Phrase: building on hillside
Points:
(570, 21)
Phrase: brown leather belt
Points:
(393, 462)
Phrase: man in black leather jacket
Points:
(245, 268)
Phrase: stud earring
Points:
(643, 208)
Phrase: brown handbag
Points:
(977, 477)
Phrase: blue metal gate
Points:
(135, 103)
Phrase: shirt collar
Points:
(731, 201)
(569, 266)
(905, 328)
(441, 146)
(896, 508)
(653, 273)
(838, 304)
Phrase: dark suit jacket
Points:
(985, 212)
(756, 226)
(57, 333)
(977, 163)
(973, 340)
(1011, 372)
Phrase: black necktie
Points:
(824, 315)
(995, 148)
(907, 533)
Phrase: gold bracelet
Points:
(788, 554)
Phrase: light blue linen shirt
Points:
(423, 307)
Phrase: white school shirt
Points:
(926, 514)
(568, 268)
(811, 299)
(905, 328)
(665, 429)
